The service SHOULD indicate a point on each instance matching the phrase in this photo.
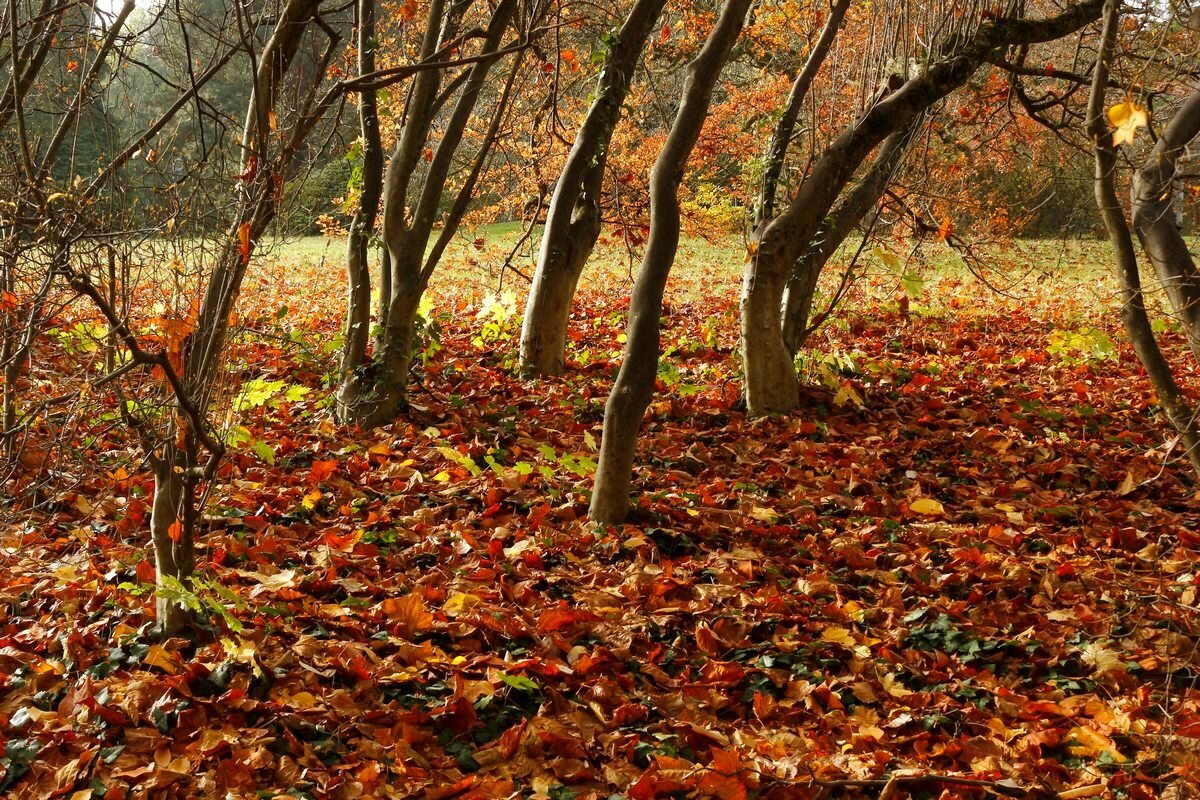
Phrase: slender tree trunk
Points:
(1133, 306)
(785, 128)
(8, 353)
(634, 387)
(375, 393)
(1154, 219)
(573, 219)
(179, 470)
(362, 227)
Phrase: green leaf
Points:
(264, 451)
(520, 682)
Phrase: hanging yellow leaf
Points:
(1126, 118)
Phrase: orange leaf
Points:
(244, 240)
(321, 470)
(723, 778)
(408, 613)
(945, 230)
(175, 531)
(558, 618)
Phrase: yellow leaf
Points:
(460, 603)
(1088, 742)
(302, 700)
(764, 515)
(311, 499)
(847, 394)
(927, 506)
(156, 656)
(1126, 118)
(840, 636)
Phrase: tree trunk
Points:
(784, 240)
(362, 227)
(770, 374)
(1154, 219)
(375, 392)
(1133, 306)
(802, 284)
(573, 219)
(171, 535)
(178, 471)
(634, 386)
(378, 392)
(785, 128)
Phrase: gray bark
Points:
(171, 536)
(1154, 219)
(1133, 306)
(573, 218)
(634, 387)
(362, 227)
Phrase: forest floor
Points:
(967, 568)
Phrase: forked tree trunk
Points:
(375, 392)
(1154, 219)
(634, 386)
(858, 202)
(1133, 306)
(573, 219)
(769, 372)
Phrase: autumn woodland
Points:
(590, 399)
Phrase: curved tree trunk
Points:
(362, 227)
(634, 386)
(1133, 306)
(573, 219)
(802, 284)
(1154, 219)
(770, 375)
